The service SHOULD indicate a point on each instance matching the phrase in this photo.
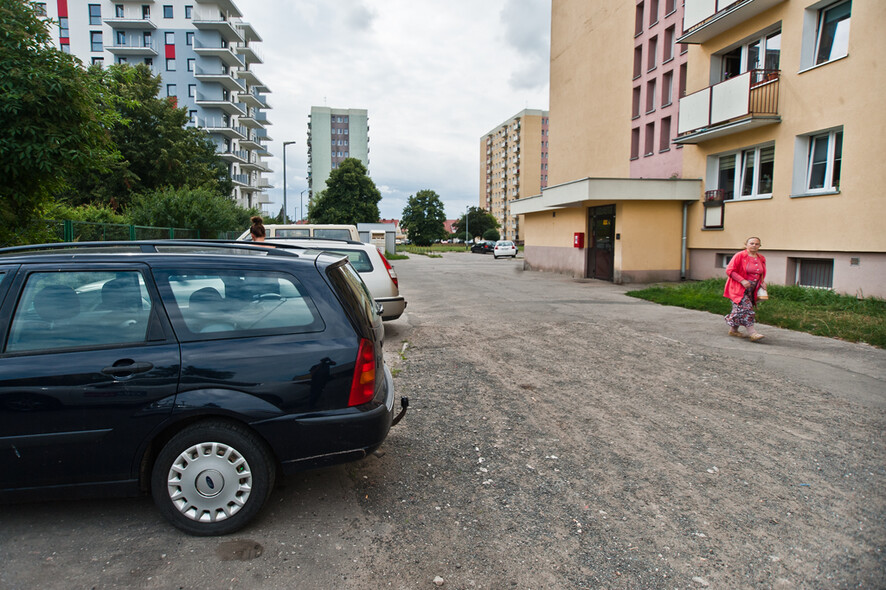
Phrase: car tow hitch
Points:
(404, 403)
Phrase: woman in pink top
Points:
(745, 275)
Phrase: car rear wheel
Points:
(212, 478)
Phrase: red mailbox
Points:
(579, 239)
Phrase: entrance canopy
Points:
(576, 192)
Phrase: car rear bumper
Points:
(332, 437)
(393, 307)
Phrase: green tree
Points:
(157, 148)
(478, 221)
(424, 218)
(350, 196)
(491, 234)
(194, 208)
(51, 123)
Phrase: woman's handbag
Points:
(762, 294)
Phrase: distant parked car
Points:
(375, 270)
(504, 248)
(484, 247)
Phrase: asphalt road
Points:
(561, 435)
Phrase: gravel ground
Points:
(561, 435)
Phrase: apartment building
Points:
(776, 134)
(204, 53)
(513, 165)
(782, 121)
(333, 136)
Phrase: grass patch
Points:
(434, 251)
(815, 311)
(391, 256)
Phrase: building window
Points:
(149, 61)
(98, 61)
(650, 55)
(63, 31)
(825, 156)
(670, 6)
(638, 25)
(813, 272)
(170, 38)
(188, 10)
(121, 39)
(170, 65)
(122, 60)
(95, 14)
(191, 63)
(189, 38)
(682, 88)
(192, 90)
(653, 12)
(40, 9)
(147, 39)
(649, 148)
(638, 61)
(664, 140)
(667, 88)
(635, 103)
(118, 11)
(650, 96)
(668, 48)
(758, 167)
(95, 41)
(761, 54)
(167, 11)
(170, 90)
(832, 35)
(146, 11)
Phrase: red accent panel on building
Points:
(170, 52)
(63, 8)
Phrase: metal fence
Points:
(89, 231)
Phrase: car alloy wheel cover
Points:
(209, 482)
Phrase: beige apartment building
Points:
(778, 125)
(513, 165)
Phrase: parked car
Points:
(484, 247)
(324, 231)
(195, 371)
(374, 269)
(504, 248)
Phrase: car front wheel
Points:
(212, 478)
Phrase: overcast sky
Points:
(434, 76)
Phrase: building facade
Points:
(513, 165)
(774, 136)
(333, 136)
(204, 53)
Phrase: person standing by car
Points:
(257, 231)
(745, 276)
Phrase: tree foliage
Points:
(350, 196)
(157, 149)
(424, 218)
(195, 208)
(491, 235)
(50, 124)
(478, 221)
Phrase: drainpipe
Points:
(683, 251)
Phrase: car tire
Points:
(494, 256)
(206, 456)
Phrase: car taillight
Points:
(363, 385)
(391, 272)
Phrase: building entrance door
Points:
(601, 250)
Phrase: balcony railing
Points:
(705, 19)
(744, 102)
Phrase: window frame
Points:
(832, 162)
(822, 13)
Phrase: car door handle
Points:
(122, 370)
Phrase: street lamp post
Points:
(301, 200)
(467, 210)
(285, 143)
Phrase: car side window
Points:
(332, 234)
(80, 309)
(233, 303)
(292, 233)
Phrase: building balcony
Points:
(134, 23)
(254, 163)
(249, 32)
(744, 102)
(249, 77)
(240, 180)
(218, 103)
(213, 22)
(226, 54)
(218, 126)
(134, 47)
(226, 80)
(250, 54)
(232, 156)
(705, 19)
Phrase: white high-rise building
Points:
(333, 136)
(204, 52)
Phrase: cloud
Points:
(527, 30)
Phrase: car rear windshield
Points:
(332, 234)
(358, 258)
(355, 296)
(292, 233)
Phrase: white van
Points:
(324, 231)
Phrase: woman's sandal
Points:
(757, 337)
(737, 334)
